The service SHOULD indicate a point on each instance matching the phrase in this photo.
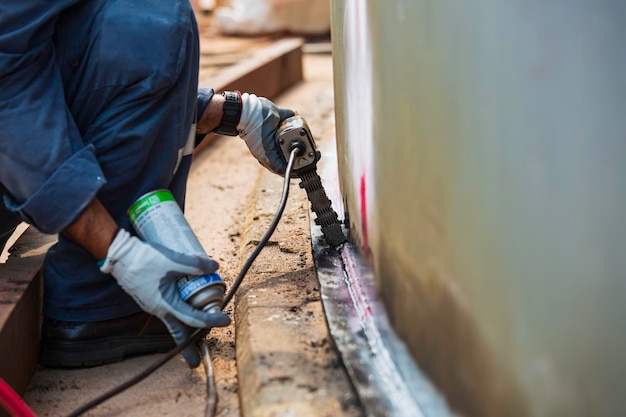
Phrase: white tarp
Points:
(253, 17)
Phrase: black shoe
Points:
(83, 344)
(8, 223)
(4, 236)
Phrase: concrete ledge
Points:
(21, 293)
(285, 360)
(287, 363)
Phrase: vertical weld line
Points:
(382, 364)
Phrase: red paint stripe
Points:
(364, 215)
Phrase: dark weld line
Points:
(386, 380)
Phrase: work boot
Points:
(4, 237)
(8, 223)
(84, 344)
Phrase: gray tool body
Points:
(294, 133)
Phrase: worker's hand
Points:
(149, 274)
(258, 123)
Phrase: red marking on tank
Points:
(364, 214)
(367, 312)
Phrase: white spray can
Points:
(157, 218)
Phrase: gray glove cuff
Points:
(251, 114)
(107, 264)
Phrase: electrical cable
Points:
(139, 377)
(201, 332)
(12, 402)
(211, 391)
(270, 229)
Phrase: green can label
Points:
(147, 201)
(157, 218)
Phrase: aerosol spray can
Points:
(157, 218)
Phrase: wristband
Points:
(231, 114)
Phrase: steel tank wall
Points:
(482, 149)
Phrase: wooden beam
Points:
(21, 294)
(266, 73)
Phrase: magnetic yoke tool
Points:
(298, 149)
(294, 133)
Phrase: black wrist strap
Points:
(231, 115)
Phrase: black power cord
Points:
(195, 336)
(210, 406)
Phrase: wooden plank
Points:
(21, 294)
(267, 73)
(218, 52)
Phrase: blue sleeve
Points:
(204, 96)
(49, 173)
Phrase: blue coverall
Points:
(97, 98)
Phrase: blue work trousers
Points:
(129, 72)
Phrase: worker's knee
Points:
(143, 45)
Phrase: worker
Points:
(99, 104)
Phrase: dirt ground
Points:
(222, 181)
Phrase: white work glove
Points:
(149, 274)
(258, 123)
